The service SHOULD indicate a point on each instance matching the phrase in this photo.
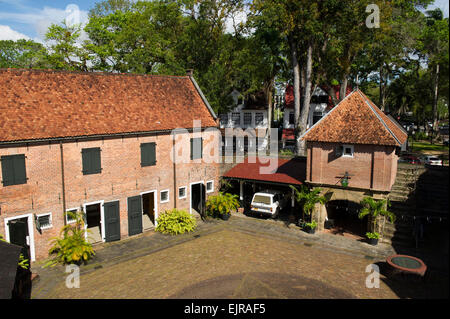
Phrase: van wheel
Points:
(276, 213)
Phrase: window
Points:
(44, 221)
(347, 150)
(91, 161)
(13, 170)
(291, 118)
(223, 119)
(196, 148)
(164, 196)
(209, 186)
(259, 118)
(148, 154)
(236, 118)
(247, 118)
(316, 117)
(182, 192)
(69, 217)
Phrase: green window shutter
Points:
(148, 154)
(13, 170)
(7, 171)
(91, 160)
(20, 174)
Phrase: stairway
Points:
(417, 191)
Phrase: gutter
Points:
(96, 136)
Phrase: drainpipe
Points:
(174, 172)
(63, 184)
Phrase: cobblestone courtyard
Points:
(234, 259)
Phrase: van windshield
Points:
(262, 199)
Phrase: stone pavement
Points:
(108, 254)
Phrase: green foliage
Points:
(176, 222)
(24, 263)
(373, 235)
(22, 54)
(311, 225)
(71, 246)
(221, 204)
(420, 136)
(374, 208)
(308, 198)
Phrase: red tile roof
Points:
(42, 104)
(288, 171)
(356, 120)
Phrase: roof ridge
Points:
(323, 117)
(366, 99)
(49, 71)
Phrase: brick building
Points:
(352, 151)
(101, 143)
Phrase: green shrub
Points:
(221, 204)
(175, 222)
(420, 136)
(71, 247)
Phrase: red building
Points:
(101, 143)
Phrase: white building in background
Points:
(318, 108)
(251, 114)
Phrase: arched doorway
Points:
(342, 219)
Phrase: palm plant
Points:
(308, 198)
(221, 204)
(375, 208)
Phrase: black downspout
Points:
(63, 184)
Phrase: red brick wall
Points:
(122, 176)
(323, 167)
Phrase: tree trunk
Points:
(296, 71)
(343, 88)
(269, 97)
(382, 87)
(435, 103)
(305, 108)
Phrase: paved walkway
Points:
(131, 256)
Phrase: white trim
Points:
(185, 192)
(30, 231)
(50, 220)
(168, 196)
(344, 146)
(102, 217)
(68, 210)
(212, 188)
(190, 193)
(155, 205)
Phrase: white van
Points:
(269, 202)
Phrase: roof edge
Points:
(337, 105)
(379, 118)
(203, 97)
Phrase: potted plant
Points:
(222, 205)
(375, 208)
(310, 227)
(308, 198)
(373, 238)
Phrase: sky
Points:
(30, 19)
